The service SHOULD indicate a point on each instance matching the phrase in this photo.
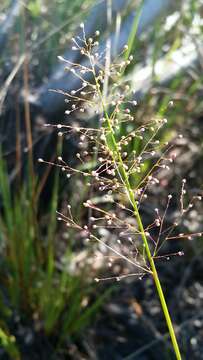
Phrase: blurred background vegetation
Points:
(50, 307)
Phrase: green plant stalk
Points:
(112, 145)
(133, 33)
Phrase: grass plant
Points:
(116, 165)
(32, 274)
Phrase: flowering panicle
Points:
(123, 165)
(129, 159)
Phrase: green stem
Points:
(110, 139)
